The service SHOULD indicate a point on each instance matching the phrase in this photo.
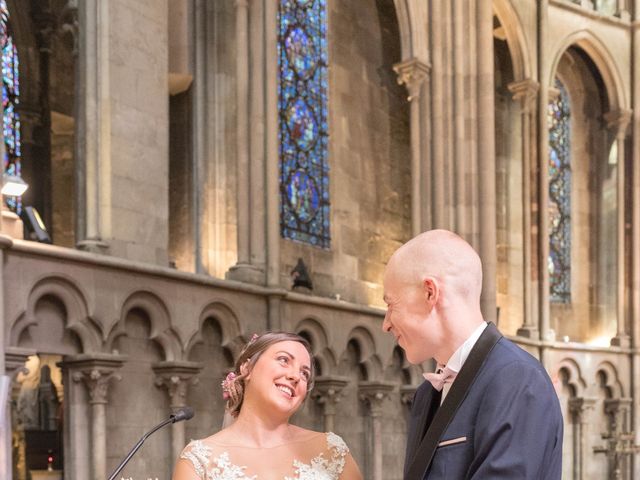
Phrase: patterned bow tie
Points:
(442, 376)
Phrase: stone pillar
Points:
(617, 122)
(619, 410)
(123, 141)
(543, 178)
(14, 360)
(412, 73)
(176, 377)
(95, 371)
(634, 298)
(581, 409)
(373, 394)
(526, 93)
(327, 392)
(251, 90)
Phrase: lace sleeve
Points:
(198, 454)
(338, 450)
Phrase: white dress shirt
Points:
(458, 358)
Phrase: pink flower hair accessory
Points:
(227, 385)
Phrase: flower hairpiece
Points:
(254, 337)
(226, 385)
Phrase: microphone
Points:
(185, 413)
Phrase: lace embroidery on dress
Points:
(321, 468)
(221, 468)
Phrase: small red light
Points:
(50, 459)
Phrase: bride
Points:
(272, 377)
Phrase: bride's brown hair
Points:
(235, 384)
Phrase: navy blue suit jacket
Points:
(500, 420)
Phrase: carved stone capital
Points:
(407, 392)
(15, 359)
(96, 372)
(327, 392)
(176, 377)
(374, 395)
(525, 92)
(618, 121)
(412, 73)
(581, 408)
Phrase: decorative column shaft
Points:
(526, 93)
(374, 395)
(96, 372)
(93, 125)
(581, 409)
(327, 393)
(176, 377)
(618, 122)
(412, 73)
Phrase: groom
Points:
(490, 410)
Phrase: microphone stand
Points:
(183, 414)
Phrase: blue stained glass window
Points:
(559, 262)
(10, 100)
(303, 129)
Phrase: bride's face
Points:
(280, 377)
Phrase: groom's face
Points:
(409, 317)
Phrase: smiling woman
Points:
(270, 381)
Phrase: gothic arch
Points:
(573, 374)
(602, 59)
(369, 359)
(612, 380)
(227, 320)
(413, 21)
(516, 39)
(74, 300)
(323, 354)
(159, 318)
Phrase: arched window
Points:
(303, 129)
(10, 99)
(559, 115)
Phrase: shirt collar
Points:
(458, 358)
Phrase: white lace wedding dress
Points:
(321, 457)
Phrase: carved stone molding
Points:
(407, 392)
(526, 92)
(176, 377)
(374, 395)
(96, 372)
(327, 392)
(15, 359)
(581, 408)
(618, 121)
(412, 73)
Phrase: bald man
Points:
(489, 411)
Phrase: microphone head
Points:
(185, 413)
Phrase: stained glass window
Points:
(303, 129)
(10, 95)
(559, 262)
(607, 7)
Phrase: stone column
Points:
(635, 230)
(617, 122)
(374, 394)
(618, 410)
(543, 178)
(412, 73)
(581, 409)
(93, 126)
(176, 377)
(14, 360)
(251, 96)
(327, 392)
(486, 159)
(95, 371)
(526, 93)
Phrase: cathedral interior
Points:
(201, 170)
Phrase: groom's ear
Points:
(430, 291)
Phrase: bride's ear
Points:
(244, 370)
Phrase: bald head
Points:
(445, 256)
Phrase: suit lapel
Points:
(426, 402)
(427, 447)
